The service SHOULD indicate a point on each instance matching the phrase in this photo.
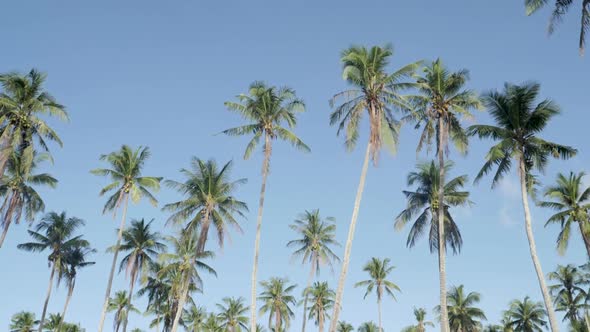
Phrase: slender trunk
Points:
(103, 315)
(379, 309)
(309, 279)
(444, 318)
(585, 237)
(181, 303)
(277, 321)
(5, 151)
(158, 314)
(265, 169)
(68, 298)
(348, 247)
(4, 231)
(321, 320)
(49, 288)
(133, 276)
(12, 201)
(533, 248)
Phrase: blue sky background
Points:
(157, 74)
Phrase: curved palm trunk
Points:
(309, 279)
(103, 315)
(321, 321)
(68, 298)
(12, 202)
(348, 248)
(49, 288)
(265, 169)
(442, 274)
(133, 277)
(585, 237)
(533, 249)
(4, 232)
(180, 306)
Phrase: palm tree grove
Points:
(295, 166)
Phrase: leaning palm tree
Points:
(316, 236)
(561, 8)
(570, 292)
(232, 314)
(378, 270)
(344, 327)
(322, 300)
(268, 110)
(23, 322)
(209, 200)
(526, 316)
(421, 322)
(439, 106)
(277, 299)
(56, 233)
(369, 327)
(423, 205)
(463, 314)
(571, 201)
(193, 319)
(378, 93)
(519, 121)
(17, 186)
(125, 173)
(122, 307)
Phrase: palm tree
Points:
(212, 324)
(378, 270)
(438, 107)
(368, 327)
(571, 201)
(322, 299)
(277, 299)
(53, 323)
(344, 327)
(55, 232)
(518, 124)
(209, 199)
(526, 316)
(423, 203)
(570, 292)
(561, 8)
(194, 318)
(23, 322)
(186, 260)
(463, 315)
(232, 314)
(378, 93)
(157, 289)
(313, 245)
(122, 307)
(17, 186)
(266, 109)
(125, 173)
(421, 322)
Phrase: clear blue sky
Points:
(157, 74)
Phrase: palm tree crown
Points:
(122, 307)
(344, 327)
(570, 292)
(526, 316)
(421, 322)
(378, 270)
(23, 322)
(322, 300)
(368, 327)
(232, 314)
(277, 299)
(463, 314)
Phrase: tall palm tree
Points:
(232, 314)
(193, 319)
(423, 203)
(157, 289)
(421, 322)
(526, 316)
(570, 292)
(368, 327)
(209, 200)
(122, 307)
(271, 114)
(519, 121)
(572, 202)
(378, 270)
(463, 314)
(186, 260)
(316, 236)
(439, 106)
(322, 300)
(23, 103)
(277, 298)
(23, 321)
(125, 172)
(376, 92)
(344, 327)
(56, 233)
(17, 186)
(561, 8)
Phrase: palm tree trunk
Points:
(348, 248)
(181, 303)
(265, 169)
(133, 276)
(582, 232)
(379, 309)
(277, 321)
(7, 216)
(4, 231)
(444, 318)
(533, 248)
(68, 298)
(309, 279)
(321, 321)
(103, 315)
(49, 288)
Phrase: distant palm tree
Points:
(316, 235)
(561, 8)
(377, 93)
(421, 322)
(125, 172)
(137, 330)
(378, 270)
(369, 327)
(53, 323)
(526, 316)
(493, 328)
(322, 300)
(267, 109)
(232, 314)
(193, 319)
(23, 322)
(157, 290)
(209, 200)
(463, 314)
(570, 292)
(212, 324)
(56, 233)
(17, 186)
(277, 299)
(122, 307)
(572, 202)
(519, 121)
(344, 327)
(424, 203)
